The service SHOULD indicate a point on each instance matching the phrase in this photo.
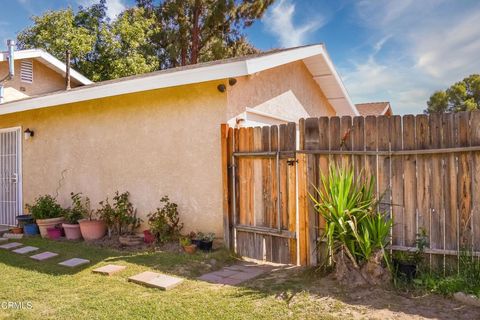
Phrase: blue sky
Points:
(400, 51)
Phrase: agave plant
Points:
(349, 207)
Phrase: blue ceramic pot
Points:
(30, 229)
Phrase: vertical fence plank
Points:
(225, 135)
(258, 201)
(464, 185)
(449, 184)
(383, 163)
(410, 181)
(292, 190)
(346, 142)
(358, 137)
(302, 207)
(335, 140)
(323, 166)
(273, 173)
(397, 207)
(371, 145)
(437, 217)
(266, 179)
(475, 176)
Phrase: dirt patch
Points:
(292, 286)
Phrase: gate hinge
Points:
(292, 162)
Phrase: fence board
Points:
(450, 189)
(383, 165)
(410, 182)
(398, 235)
(475, 141)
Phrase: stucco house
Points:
(36, 72)
(158, 133)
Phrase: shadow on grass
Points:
(187, 266)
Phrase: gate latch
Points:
(292, 162)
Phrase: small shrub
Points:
(165, 221)
(121, 217)
(45, 207)
(185, 241)
(207, 237)
(80, 209)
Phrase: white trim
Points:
(49, 60)
(165, 79)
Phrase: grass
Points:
(62, 293)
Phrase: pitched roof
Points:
(374, 108)
(48, 60)
(315, 58)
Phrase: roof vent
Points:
(26, 71)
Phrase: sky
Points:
(399, 50)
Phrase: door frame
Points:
(19, 165)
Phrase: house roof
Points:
(315, 58)
(374, 108)
(48, 60)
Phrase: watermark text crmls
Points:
(16, 305)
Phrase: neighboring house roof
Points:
(374, 108)
(48, 60)
(315, 58)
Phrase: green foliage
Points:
(45, 207)
(165, 221)
(461, 96)
(466, 279)
(80, 209)
(353, 224)
(121, 217)
(146, 37)
(185, 241)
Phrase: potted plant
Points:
(187, 245)
(54, 233)
(148, 237)
(16, 230)
(90, 227)
(206, 241)
(72, 215)
(47, 212)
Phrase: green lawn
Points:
(59, 292)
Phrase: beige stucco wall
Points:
(155, 143)
(44, 80)
(288, 92)
(162, 142)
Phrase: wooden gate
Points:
(259, 167)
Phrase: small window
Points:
(26, 71)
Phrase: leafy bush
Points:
(121, 217)
(349, 207)
(185, 241)
(45, 207)
(165, 221)
(80, 209)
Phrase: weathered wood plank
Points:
(423, 174)
(266, 179)
(335, 140)
(292, 191)
(410, 183)
(323, 165)
(398, 237)
(475, 176)
(250, 181)
(258, 205)
(383, 163)
(464, 182)
(302, 196)
(224, 134)
(346, 142)
(274, 189)
(437, 209)
(371, 145)
(358, 137)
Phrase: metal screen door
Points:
(10, 184)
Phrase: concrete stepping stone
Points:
(156, 280)
(75, 262)
(11, 245)
(108, 270)
(15, 236)
(26, 249)
(44, 256)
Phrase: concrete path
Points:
(236, 274)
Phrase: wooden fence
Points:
(427, 170)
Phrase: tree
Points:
(461, 96)
(146, 37)
(195, 31)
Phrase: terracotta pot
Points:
(44, 224)
(92, 229)
(54, 233)
(16, 230)
(72, 231)
(130, 240)
(191, 249)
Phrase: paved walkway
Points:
(236, 274)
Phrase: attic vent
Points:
(26, 71)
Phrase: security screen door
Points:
(10, 184)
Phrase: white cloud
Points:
(432, 43)
(279, 21)
(114, 7)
